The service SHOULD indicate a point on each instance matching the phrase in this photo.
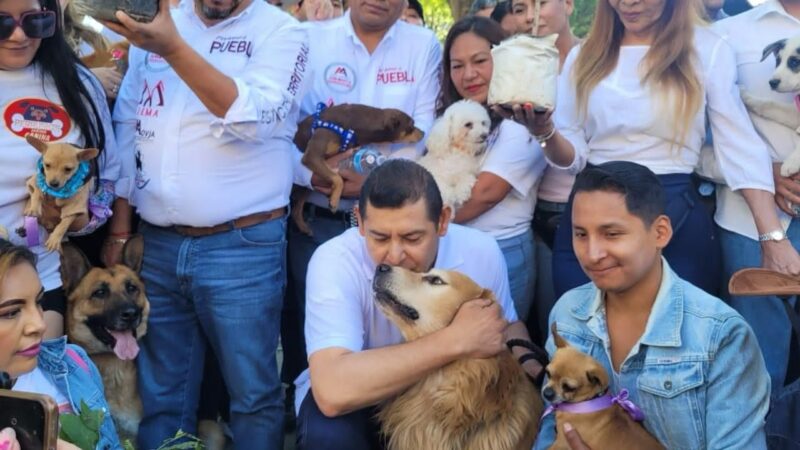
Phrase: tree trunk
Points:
(459, 8)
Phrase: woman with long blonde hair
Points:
(640, 88)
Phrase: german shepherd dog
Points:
(107, 313)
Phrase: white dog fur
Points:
(785, 79)
(455, 145)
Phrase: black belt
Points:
(347, 216)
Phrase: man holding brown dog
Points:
(209, 105)
(356, 356)
(690, 362)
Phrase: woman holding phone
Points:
(54, 368)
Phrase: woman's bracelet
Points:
(543, 138)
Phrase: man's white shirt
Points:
(340, 307)
(749, 33)
(192, 168)
(402, 72)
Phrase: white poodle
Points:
(455, 145)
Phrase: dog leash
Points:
(536, 354)
(598, 404)
(347, 137)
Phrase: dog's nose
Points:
(774, 83)
(484, 136)
(53, 184)
(548, 394)
(384, 268)
(130, 314)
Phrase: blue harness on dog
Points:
(347, 137)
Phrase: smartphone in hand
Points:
(34, 417)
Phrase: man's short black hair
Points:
(644, 195)
(398, 182)
(417, 6)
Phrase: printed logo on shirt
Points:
(278, 113)
(144, 134)
(44, 120)
(340, 77)
(142, 179)
(151, 100)
(299, 70)
(394, 75)
(233, 44)
(155, 63)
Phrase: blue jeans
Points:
(358, 430)
(228, 287)
(520, 259)
(301, 247)
(765, 315)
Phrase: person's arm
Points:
(251, 106)
(487, 191)
(344, 381)
(737, 390)
(744, 158)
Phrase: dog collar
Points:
(347, 137)
(598, 404)
(70, 187)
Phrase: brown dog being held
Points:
(107, 313)
(574, 376)
(369, 125)
(469, 404)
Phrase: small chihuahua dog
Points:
(573, 377)
(60, 163)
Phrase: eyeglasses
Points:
(35, 24)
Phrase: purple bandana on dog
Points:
(599, 404)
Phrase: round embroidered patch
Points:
(340, 77)
(41, 118)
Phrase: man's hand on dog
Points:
(787, 190)
(159, 36)
(573, 438)
(478, 329)
(352, 180)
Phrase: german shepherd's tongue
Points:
(126, 347)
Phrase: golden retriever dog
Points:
(107, 313)
(573, 377)
(470, 404)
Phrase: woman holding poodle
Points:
(54, 368)
(638, 89)
(46, 92)
(504, 195)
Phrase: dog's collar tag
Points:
(347, 137)
(70, 187)
(598, 404)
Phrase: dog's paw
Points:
(791, 165)
(33, 210)
(53, 243)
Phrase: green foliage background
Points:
(439, 18)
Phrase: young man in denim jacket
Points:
(689, 361)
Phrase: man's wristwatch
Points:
(774, 235)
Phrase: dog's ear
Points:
(773, 49)
(597, 376)
(560, 342)
(133, 252)
(36, 143)
(87, 154)
(438, 139)
(74, 266)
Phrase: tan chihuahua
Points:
(577, 388)
(60, 163)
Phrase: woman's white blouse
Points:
(626, 121)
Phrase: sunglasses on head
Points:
(35, 24)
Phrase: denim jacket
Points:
(696, 372)
(78, 381)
